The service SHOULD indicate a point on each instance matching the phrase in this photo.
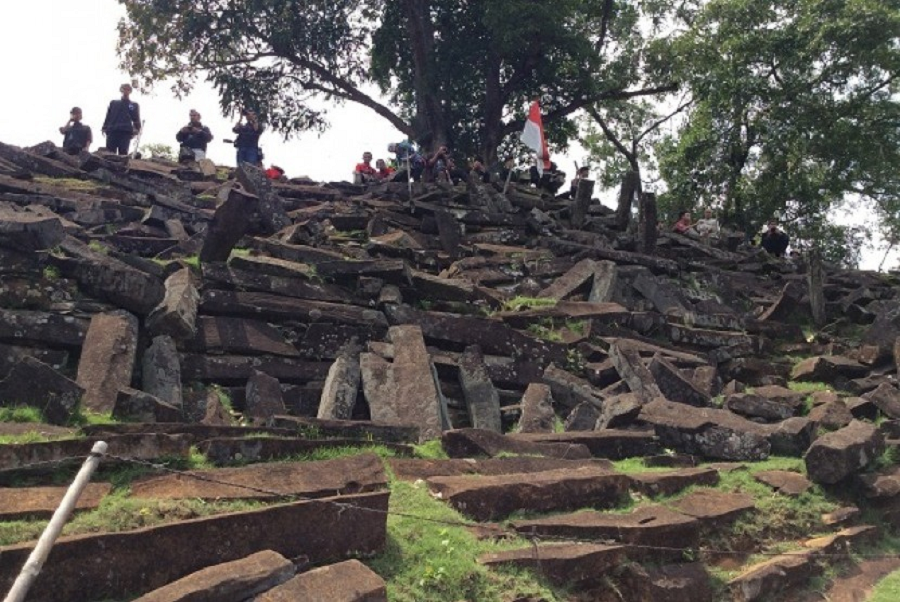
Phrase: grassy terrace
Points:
(426, 559)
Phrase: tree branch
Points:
(577, 105)
(610, 135)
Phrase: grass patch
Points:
(547, 333)
(192, 260)
(239, 252)
(777, 517)
(430, 450)
(98, 247)
(69, 183)
(21, 414)
(346, 451)
(520, 303)
(809, 387)
(118, 512)
(87, 418)
(429, 561)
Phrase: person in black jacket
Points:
(247, 142)
(123, 121)
(76, 136)
(193, 138)
(774, 241)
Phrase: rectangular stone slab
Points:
(561, 563)
(354, 474)
(141, 446)
(222, 451)
(41, 502)
(495, 497)
(348, 581)
(411, 469)
(228, 582)
(655, 525)
(606, 443)
(83, 568)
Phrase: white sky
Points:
(61, 53)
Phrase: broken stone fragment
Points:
(107, 359)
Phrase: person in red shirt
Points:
(383, 171)
(684, 225)
(275, 173)
(364, 171)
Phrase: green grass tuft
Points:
(520, 303)
(430, 561)
(430, 450)
(21, 414)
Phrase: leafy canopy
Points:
(459, 72)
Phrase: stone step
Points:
(17, 456)
(224, 451)
(468, 442)
(348, 581)
(233, 581)
(565, 563)
(714, 508)
(486, 498)
(654, 526)
(411, 469)
(41, 502)
(764, 580)
(672, 481)
(354, 474)
(614, 444)
(83, 568)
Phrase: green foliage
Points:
(429, 561)
(98, 247)
(454, 72)
(72, 184)
(795, 112)
(192, 260)
(430, 450)
(159, 151)
(20, 414)
(520, 303)
(51, 273)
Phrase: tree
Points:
(458, 72)
(796, 110)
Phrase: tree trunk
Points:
(647, 223)
(581, 203)
(631, 184)
(816, 280)
(493, 110)
(430, 124)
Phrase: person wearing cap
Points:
(406, 152)
(123, 121)
(194, 137)
(76, 136)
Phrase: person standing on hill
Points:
(247, 142)
(123, 121)
(194, 138)
(76, 136)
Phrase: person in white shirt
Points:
(708, 227)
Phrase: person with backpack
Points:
(76, 136)
(193, 138)
(123, 121)
(247, 141)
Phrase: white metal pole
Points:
(38, 556)
(508, 178)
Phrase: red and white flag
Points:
(533, 137)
